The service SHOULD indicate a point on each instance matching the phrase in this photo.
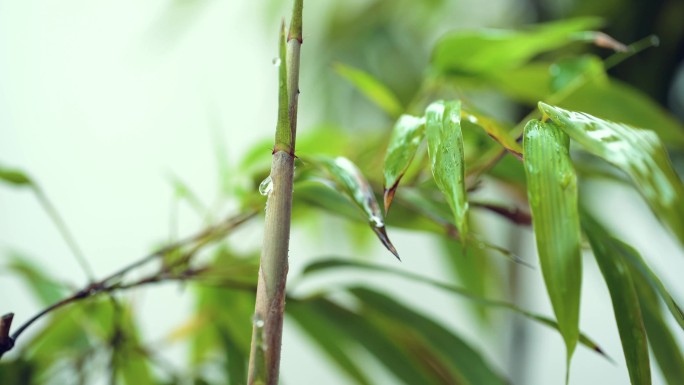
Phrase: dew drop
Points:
(276, 61)
(266, 186)
(377, 221)
(257, 321)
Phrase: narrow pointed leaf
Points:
(663, 342)
(552, 193)
(14, 177)
(369, 86)
(464, 362)
(445, 147)
(359, 190)
(473, 270)
(639, 153)
(623, 294)
(335, 264)
(407, 135)
(489, 51)
(493, 129)
(640, 267)
(358, 328)
(331, 341)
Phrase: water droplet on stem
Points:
(257, 321)
(266, 186)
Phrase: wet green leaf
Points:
(359, 190)
(331, 341)
(377, 92)
(621, 102)
(639, 153)
(487, 51)
(552, 193)
(462, 361)
(407, 135)
(445, 147)
(335, 264)
(628, 315)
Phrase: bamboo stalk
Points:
(264, 361)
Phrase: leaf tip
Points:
(388, 197)
(381, 232)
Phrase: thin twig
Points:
(112, 282)
(61, 225)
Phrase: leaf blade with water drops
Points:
(407, 135)
(360, 192)
(552, 192)
(637, 152)
(445, 148)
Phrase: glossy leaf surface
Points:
(639, 153)
(552, 193)
(407, 135)
(445, 148)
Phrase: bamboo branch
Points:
(264, 362)
(113, 282)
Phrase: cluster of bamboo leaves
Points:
(440, 149)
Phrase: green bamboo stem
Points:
(264, 361)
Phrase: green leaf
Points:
(335, 264)
(552, 193)
(618, 101)
(357, 328)
(407, 135)
(377, 92)
(228, 314)
(19, 371)
(14, 177)
(464, 362)
(493, 129)
(640, 267)
(567, 73)
(628, 315)
(473, 269)
(488, 51)
(359, 190)
(236, 365)
(445, 147)
(639, 153)
(331, 341)
(663, 343)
